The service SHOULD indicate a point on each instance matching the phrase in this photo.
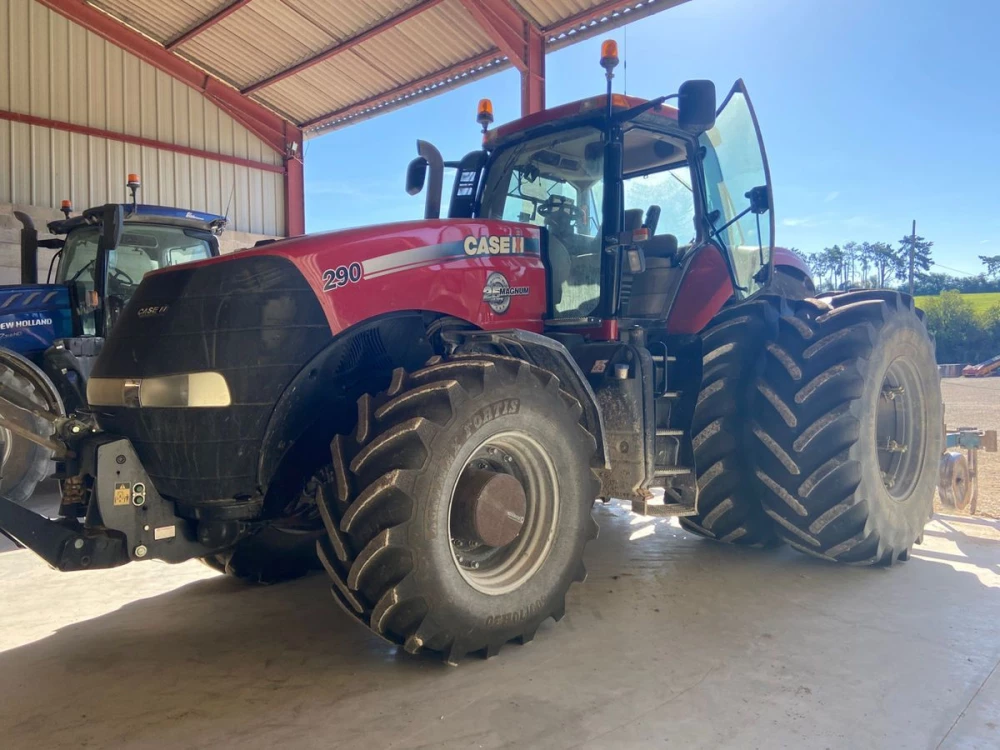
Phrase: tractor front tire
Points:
(847, 420)
(23, 464)
(412, 483)
(729, 507)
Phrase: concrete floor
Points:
(672, 642)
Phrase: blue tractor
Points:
(51, 333)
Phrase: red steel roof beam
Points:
(206, 23)
(347, 44)
(507, 27)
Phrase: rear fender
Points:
(707, 286)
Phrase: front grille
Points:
(255, 320)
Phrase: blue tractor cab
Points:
(60, 325)
(51, 333)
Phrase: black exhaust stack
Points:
(29, 248)
(428, 162)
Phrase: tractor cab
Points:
(152, 237)
(632, 195)
(101, 257)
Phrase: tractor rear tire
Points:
(729, 507)
(400, 558)
(847, 415)
(23, 464)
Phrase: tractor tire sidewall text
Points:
(457, 603)
(388, 546)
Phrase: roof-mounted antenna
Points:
(230, 203)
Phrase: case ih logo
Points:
(498, 291)
(494, 245)
(153, 311)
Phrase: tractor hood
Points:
(258, 317)
(432, 265)
(383, 239)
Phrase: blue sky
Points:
(874, 113)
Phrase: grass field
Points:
(980, 302)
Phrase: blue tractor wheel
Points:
(24, 464)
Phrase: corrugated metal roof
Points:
(550, 12)
(323, 63)
(168, 19)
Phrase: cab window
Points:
(554, 181)
(657, 186)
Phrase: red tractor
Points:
(429, 409)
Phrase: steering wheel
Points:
(122, 277)
(560, 204)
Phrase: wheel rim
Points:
(900, 434)
(497, 570)
(7, 439)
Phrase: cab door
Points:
(735, 164)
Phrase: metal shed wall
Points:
(62, 87)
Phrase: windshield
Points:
(143, 248)
(555, 181)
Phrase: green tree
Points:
(866, 257)
(959, 336)
(992, 263)
(851, 252)
(885, 260)
(922, 260)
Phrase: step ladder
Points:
(673, 467)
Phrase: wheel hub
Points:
(489, 507)
(900, 434)
(503, 513)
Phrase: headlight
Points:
(189, 390)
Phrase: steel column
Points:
(533, 78)
(295, 191)
(517, 37)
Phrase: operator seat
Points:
(651, 288)
(559, 223)
(560, 265)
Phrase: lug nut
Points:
(141, 550)
(78, 543)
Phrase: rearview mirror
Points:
(696, 106)
(111, 226)
(416, 173)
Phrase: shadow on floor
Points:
(215, 663)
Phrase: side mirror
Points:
(759, 201)
(696, 106)
(416, 173)
(111, 226)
